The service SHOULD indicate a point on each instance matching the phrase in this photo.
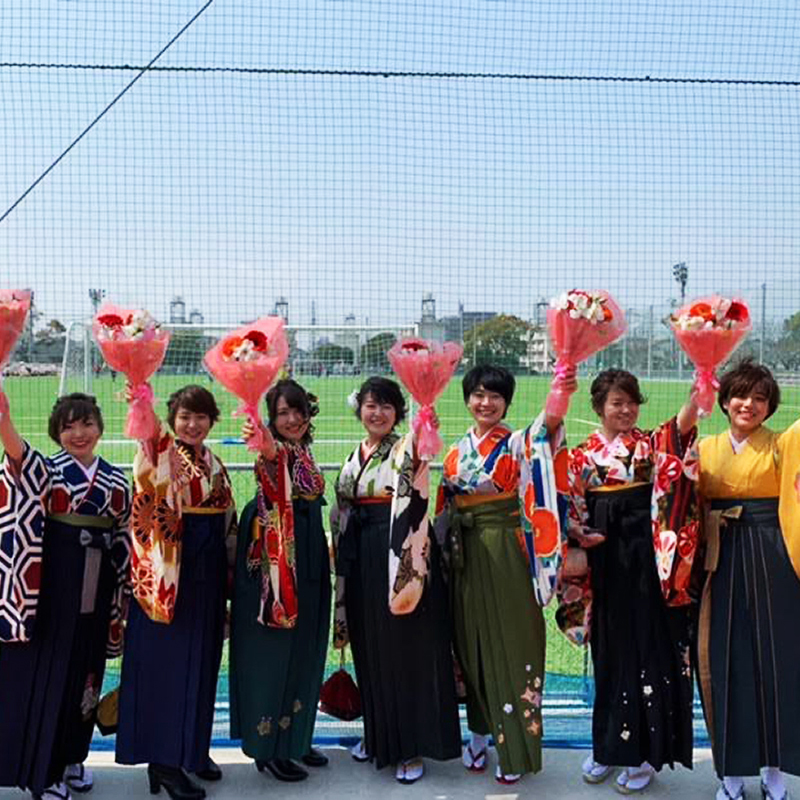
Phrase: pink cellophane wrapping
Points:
(709, 347)
(137, 358)
(425, 369)
(575, 340)
(14, 307)
(249, 380)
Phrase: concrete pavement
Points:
(344, 778)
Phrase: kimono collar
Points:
(622, 446)
(486, 443)
(737, 445)
(380, 451)
(89, 471)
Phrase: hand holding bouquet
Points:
(580, 324)
(133, 343)
(425, 369)
(246, 362)
(708, 330)
(14, 307)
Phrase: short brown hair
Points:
(619, 379)
(69, 408)
(744, 379)
(196, 399)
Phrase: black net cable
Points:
(117, 98)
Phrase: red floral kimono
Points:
(179, 481)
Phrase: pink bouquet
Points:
(246, 362)
(425, 369)
(708, 330)
(14, 307)
(580, 324)
(133, 343)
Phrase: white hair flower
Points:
(352, 399)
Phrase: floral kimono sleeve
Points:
(409, 541)
(675, 512)
(272, 550)
(573, 615)
(542, 491)
(24, 485)
(338, 518)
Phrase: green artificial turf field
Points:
(337, 432)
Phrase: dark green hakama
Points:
(276, 673)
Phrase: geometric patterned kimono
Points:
(64, 566)
(183, 514)
(503, 503)
(638, 491)
(748, 645)
(391, 604)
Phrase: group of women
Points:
(434, 612)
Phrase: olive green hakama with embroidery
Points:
(498, 629)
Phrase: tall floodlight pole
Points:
(31, 314)
(763, 322)
(681, 274)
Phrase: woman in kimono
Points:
(63, 580)
(503, 567)
(391, 602)
(642, 717)
(748, 648)
(182, 512)
(281, 605)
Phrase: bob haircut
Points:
(71, 407)
(610, 379)
(384, 390)
(194, 398)
(491, 378)
(296, 397)
(746, 378)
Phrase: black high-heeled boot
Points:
(177, 783)
(283, 769)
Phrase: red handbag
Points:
(339, 696)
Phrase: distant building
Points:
(177, 311)
(429, 327)
(456, 328)
(351, 339)
(537, 356)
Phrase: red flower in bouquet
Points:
(580, 324)
(14, 306)
(246, 362)
(425, 369)
(133, 343)
(708, 330)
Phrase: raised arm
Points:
(569, 385)
(687, 416)
(12, 441)
(150, 446)
(268, 448)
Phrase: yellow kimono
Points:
(768, 466)
(748, 650)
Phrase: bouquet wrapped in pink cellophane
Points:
(245, 362)
(425, 369)
(133, 343)
(580, 324)
(14, 307)
(708, 330)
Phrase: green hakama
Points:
(276, 673)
